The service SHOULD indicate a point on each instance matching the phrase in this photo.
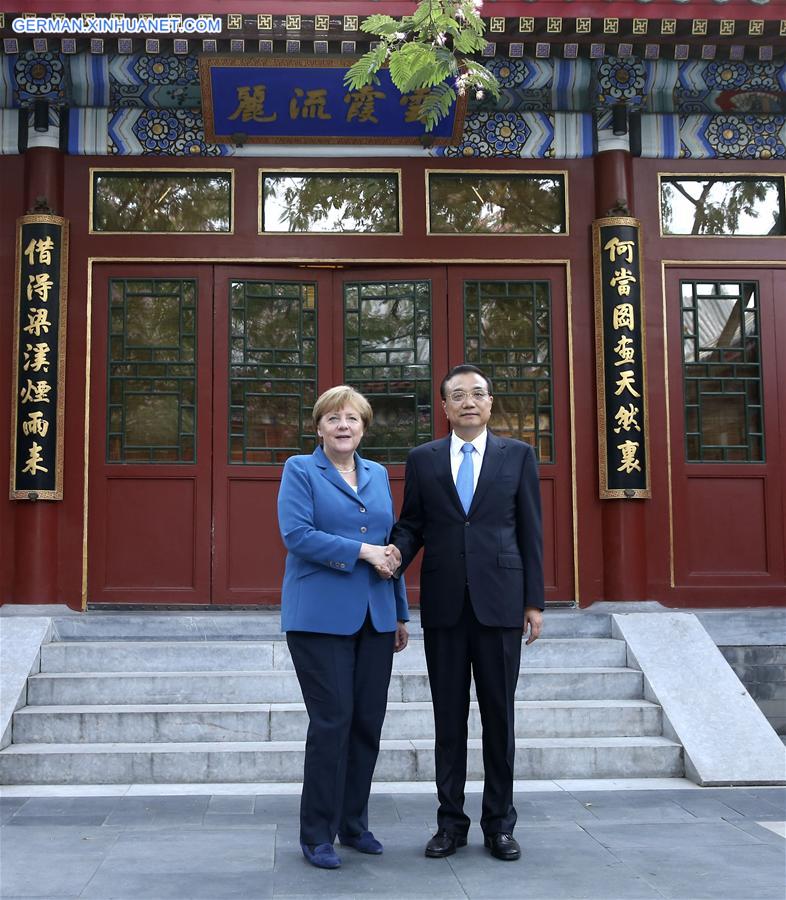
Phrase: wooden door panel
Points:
(732, 542)
(548, 501)
(727, 516)
(258, 389)
(148, 534)
(255, 552)
(151, 534)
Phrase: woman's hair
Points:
(338, 397)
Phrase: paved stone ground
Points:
(725, 843)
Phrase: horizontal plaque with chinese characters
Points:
(284, 101)
(38, 380)
(620, 347)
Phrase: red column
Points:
(35, 522)
(624, 537)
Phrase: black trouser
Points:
(344, 680)
(492, 655)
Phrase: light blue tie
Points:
(465, 480)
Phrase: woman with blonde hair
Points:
(344, 617)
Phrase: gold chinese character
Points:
(629, 461)
(361, 104)
(251, 105)
(39, 321)
(39, 361)
(626, 382)
(623, 316)
(621, 280)
(618, 248)
(625, 350)
(40, 284)
(34, 460)
(35, 424)
(43, 248)
(35, 392)
(626, 419)
(413, 102)
(309, 104)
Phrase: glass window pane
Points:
(272, 371)
(151, 414)
(330, 203)
(723, 393)
(151, 420)
(152, 322)
(723, 420)
(162, 201)
(514, 203)
(746, 205)
(508, 334)
(387, 357)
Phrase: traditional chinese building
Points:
(204, 228)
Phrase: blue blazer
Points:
(496, 549)
(323, 522)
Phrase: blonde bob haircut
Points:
(338, 397)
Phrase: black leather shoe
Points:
(444, 844)
(503, 846)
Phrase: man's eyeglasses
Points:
(461, 396)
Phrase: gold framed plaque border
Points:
(604, 492)
(62, 324)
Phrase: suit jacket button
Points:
(466, 524)
(362, 509)
(363, 529)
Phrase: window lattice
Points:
(272, 370)
(387, 356)
(507, 333)
(151, 390)
(721, 365)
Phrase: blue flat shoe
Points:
(323, 856)
(365, 842)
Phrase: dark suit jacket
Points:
(496, 549)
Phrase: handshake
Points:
(385, 560)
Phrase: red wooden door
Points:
(274, 339)
(150, 425)
(727, 420)
(203, 383)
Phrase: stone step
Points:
(140, 688)
(263, 655)
(264, 624)
(282, 761)
(287, 722)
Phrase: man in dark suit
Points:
(472, 500)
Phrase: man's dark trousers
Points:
(490, 652)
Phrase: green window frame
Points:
(272, 370)
(387, 357)
(507, 333)
(721, 371)
(151, 371)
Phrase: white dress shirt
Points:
(456, 455)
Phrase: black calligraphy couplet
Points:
(39, 358)
(620, 347)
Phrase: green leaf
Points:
(467, 41)
(415, 65)
(436, 105)
(363, 71)
(379, 24)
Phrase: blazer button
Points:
(363, 529)
(466, 524)
(362, 509)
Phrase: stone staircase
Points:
(157, 698)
